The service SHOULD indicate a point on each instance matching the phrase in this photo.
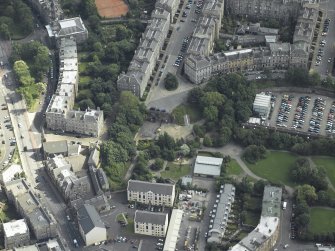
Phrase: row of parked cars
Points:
(325, 27)
(330, 127)
(284, 110)
(301, 110)
(200, 4)
(160, 244)
(317, 115)
(185, 44)
(179, 60)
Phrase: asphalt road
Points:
(159, 97)
(285, 234)
(328, 8)
(31, 159)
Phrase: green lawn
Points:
(84, 80)
(322, 220)
(328, 163)
(82, 67)
(129, 229)
(175, 171)
(275, 167)
(179, 112)
(234, 168)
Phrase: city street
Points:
(159, 97)
(285, 233)
(325, 67)
(28, 138)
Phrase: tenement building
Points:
(48, 10)
(60, 115)
(156, 194)
(42, 224)
(264, 9)
(70, 186)
(149, 223)
(265, 235)
(16, 234)
(146, 55)
(201, 63)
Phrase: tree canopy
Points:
(170, 82)
(35, 54)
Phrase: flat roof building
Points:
(16, 234)
(265, 235)
(262, 105)
(207, 166)
(10, 172)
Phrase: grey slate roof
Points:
(143, 186)
(149, 217)
(88, 218)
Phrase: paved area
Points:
(159, 96)
(309, 114)
(325, 67)
(189, 228)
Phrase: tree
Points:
(212, 99)
(85, 104)
(157, 165)
(170, 82)
(254, 153)
(302, 220)
(323, 198)
(4, 31)
(306, 193)
(259, 186)
(207, 141)
(113, 153)
(211, 113)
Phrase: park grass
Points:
(234, 168)
(322, 220)
(83, 80)
(129, 229)
(275, 167)
(175, 171)
(328, 163)
(183, 109)
(82, 67)
(16, 157)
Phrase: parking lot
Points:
(313, 114)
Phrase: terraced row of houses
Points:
(60, 115)
(145, 58)
(201, 63)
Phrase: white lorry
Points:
(284, 205)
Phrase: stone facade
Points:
(146, 55)
(59, 114)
